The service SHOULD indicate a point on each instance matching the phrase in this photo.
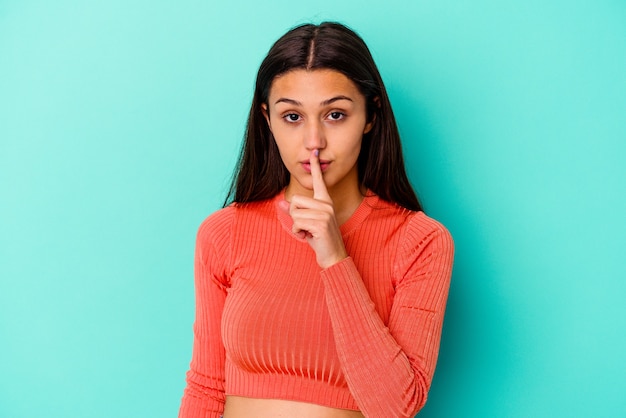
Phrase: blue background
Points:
(120, 122)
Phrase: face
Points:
(318, 109)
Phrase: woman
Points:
(320, 291)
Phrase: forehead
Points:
(313, 86)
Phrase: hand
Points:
(314, 219)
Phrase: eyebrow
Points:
(324, 103)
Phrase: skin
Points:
(318, 119)
(310, 113)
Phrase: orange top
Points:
(362, 334)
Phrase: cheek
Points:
(285, 147)
(351, 142)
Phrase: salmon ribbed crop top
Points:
(362, 334)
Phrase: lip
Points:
(324, 164)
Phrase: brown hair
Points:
(261, 174)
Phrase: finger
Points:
(320, 192)
(299, 231)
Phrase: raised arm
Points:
(389, 369)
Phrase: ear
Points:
(370, 124)
(266, 114)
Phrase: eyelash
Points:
(337, 116)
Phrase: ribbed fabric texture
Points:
(362, 334)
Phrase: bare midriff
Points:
(241, 407)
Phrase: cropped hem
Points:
(288, 387)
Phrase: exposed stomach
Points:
(242, 407)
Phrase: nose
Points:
(314, 136)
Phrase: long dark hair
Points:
(261, 174)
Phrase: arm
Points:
(204, 394)
(389, 369)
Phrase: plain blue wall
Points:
(119, 126)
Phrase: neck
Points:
(346, 202)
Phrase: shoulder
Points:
(214, 235)
(220, 224)
(423, 227)
(217, 224)
(414, 225)
(426, 245)
(421, 239)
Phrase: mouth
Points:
(324, 164)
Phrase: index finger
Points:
(320, 192)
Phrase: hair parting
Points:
(260, 173)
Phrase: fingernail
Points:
(316, 152)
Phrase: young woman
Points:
(321, 289)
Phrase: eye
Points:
(291, 117)
(336, 115)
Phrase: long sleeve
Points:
(389, 369)
(204, 395)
